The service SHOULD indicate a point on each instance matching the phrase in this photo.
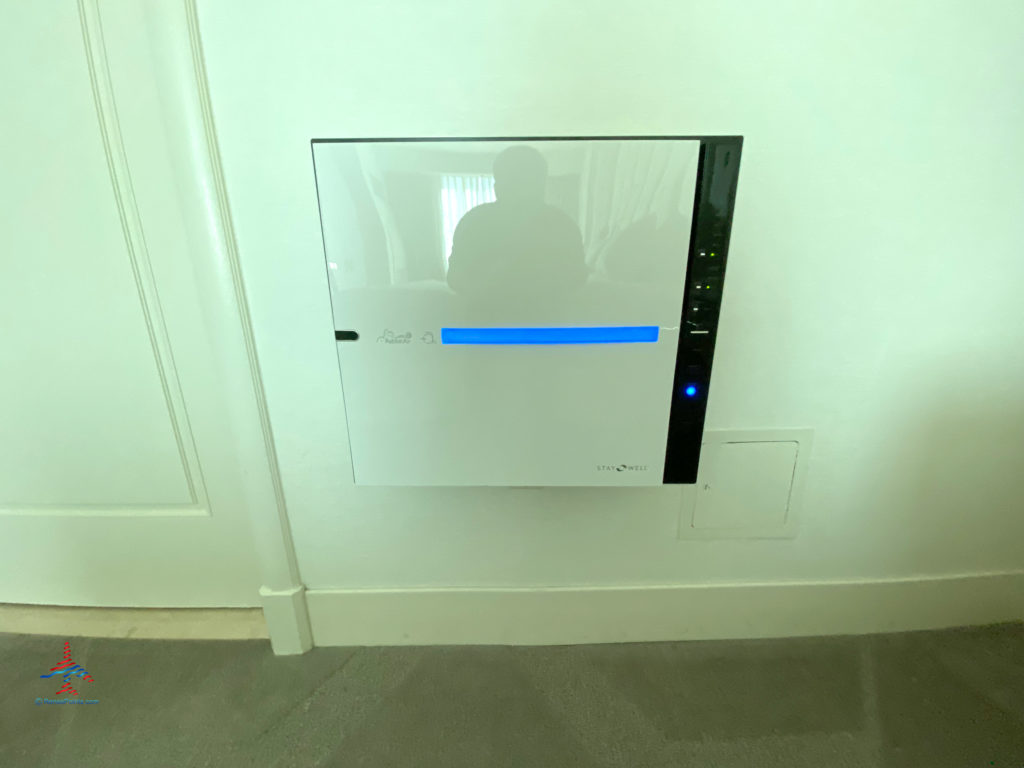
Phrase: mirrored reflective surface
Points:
(425, 236)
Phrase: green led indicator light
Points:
(712, 253)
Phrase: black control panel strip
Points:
(717, 174)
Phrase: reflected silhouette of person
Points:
(518, 245)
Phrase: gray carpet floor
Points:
(926, 699)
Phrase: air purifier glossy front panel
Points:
(508, 311)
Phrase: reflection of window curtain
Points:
(398, 267)
(625, 182)
(458, 195)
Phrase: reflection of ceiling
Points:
(474, 157)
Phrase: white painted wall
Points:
(873, 292)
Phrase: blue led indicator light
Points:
(691, 391)
(629, 334)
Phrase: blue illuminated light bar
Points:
(623, 334)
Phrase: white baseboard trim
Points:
(567, 615)
(287, 620)
(136, 623)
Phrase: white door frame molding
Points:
(172, 35)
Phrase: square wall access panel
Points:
(526, 311)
